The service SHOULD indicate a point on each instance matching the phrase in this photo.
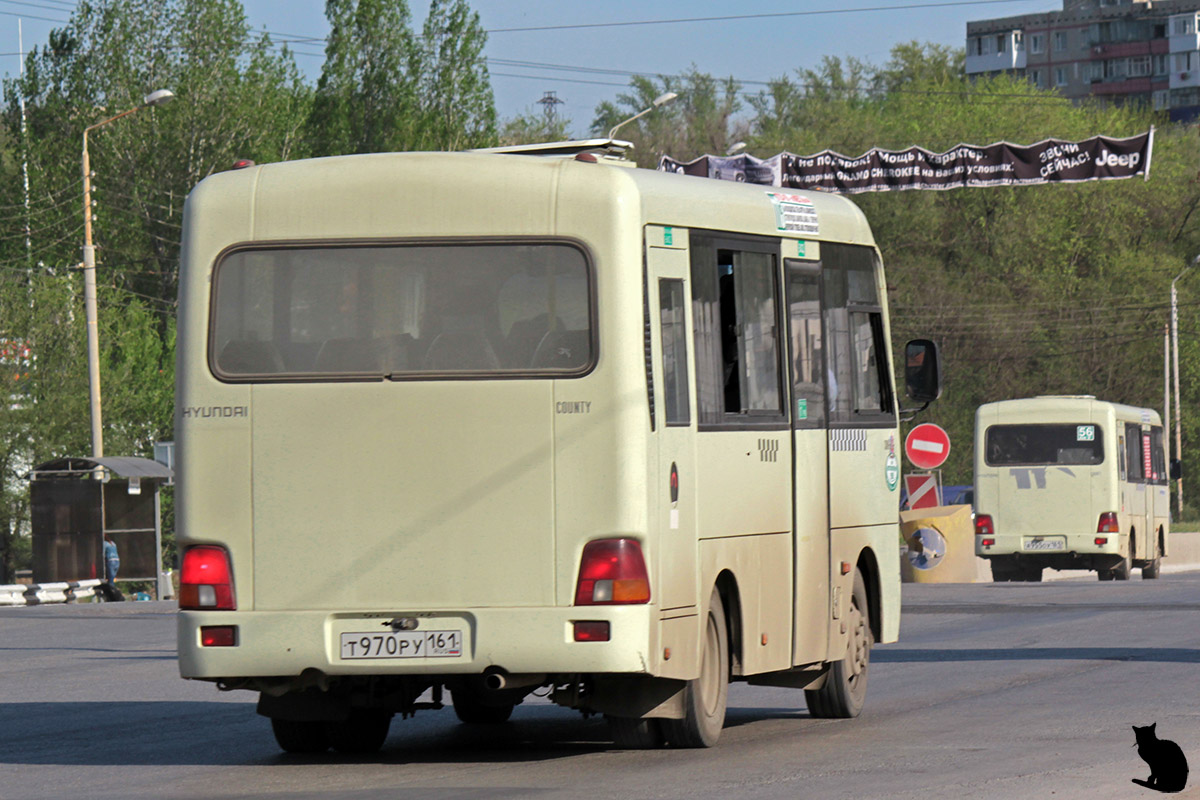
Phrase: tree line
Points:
(1031, 290)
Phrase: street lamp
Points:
(1175, 351)
(661, 100)
(156, 98)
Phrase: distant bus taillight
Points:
(612, 572)
(1108, 523)
(206, 580)
(984, 525)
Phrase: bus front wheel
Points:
(706, 697)
(1152, 569)
(845, 687)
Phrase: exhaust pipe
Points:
(496, 679)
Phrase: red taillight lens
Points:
(612, 572)
(1108, 523)
(1101, 540)
(984, 526)
(218, 635)
(987, 542)
(591, 631)
(206, 580)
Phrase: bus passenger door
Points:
(806, 371)
(1161, 516)
(1138, 450)
(674, 481)
(862, 419)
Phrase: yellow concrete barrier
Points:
(938, 546)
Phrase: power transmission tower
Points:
(548, 102)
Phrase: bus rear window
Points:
(1024, 445)
(342, 312)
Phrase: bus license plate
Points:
(1055, 543)
(402, 644)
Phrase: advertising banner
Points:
(999, 164)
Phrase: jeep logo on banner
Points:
(1000, 164)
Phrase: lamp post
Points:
(156, 98)
(1175, 354)
(661, 100)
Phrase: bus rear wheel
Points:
(364, 731)
(635, 733)
(300, 736)
(845, 688)
(1003, 570)
(706, 697)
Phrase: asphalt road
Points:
(995, 691)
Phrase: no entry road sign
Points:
(922, 491)
(927, 446)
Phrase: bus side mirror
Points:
(922, 371)
(1176, 469)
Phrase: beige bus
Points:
(458, 427)
(1070, 483)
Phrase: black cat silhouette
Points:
(1168, 767)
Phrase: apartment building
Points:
(1119, 51)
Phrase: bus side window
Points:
(674, 351)
(858, 381)
(1121, 456)
(736, 318)
(1133, 456)
(1158, 456)
(807, 349)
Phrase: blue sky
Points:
(748, 49)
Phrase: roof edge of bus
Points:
(612, 148)
(1062, 397)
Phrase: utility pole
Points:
(25, 157)
(1167, 397)
(1175, 353)
(155, 98)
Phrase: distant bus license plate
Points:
(1045, 544)
(402, 644)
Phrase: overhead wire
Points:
(73, 186)
(742, 17)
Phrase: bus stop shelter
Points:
(75, 502)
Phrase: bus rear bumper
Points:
(280, 644)
(1096, 551)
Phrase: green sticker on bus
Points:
(800, 248)
(891, 472)
(669, 238)
(1085, 433)
(802, 408)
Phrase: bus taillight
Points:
(612, 572)
(984, 525)
(206, 580)
(1108, 523)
